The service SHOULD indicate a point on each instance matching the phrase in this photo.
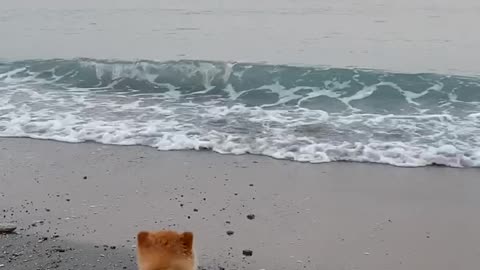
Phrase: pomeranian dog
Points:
(165, 250)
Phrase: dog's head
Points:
(165, 250)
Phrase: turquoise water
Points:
(300, 113)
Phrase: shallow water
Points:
(405, 36)
(244, 98)
(287, 112)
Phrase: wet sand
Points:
(79, 206)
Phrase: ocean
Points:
(289, 81)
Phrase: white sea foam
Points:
(50, 108)
(274, 141)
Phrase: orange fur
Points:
(165, 250)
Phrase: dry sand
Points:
(307, 216)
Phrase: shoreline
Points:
(369, 163)
(307, 216)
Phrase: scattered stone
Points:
(17, 254)
(230, 232)
(85, 178)
(43, 239)
(251, 185)
(251, 216)
(247, 252)
(37, 222)
(7, 228)
(195, 210)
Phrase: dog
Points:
(165, 250)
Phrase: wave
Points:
(308, 114)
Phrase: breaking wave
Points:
(308, 114)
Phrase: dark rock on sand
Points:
(7, 228)
(251, 216)
(247, 252)
(23, 251)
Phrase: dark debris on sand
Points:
(247, 252)
(7, 228)
(33, 251)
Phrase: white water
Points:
(407, 36)
(44, 109)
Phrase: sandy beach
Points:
(79, 206)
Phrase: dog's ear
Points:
(143, 239)
(187, 239)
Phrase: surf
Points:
(300, 113)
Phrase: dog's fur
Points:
(165, 250)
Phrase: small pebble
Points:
(7, 228)
(247, 252)
(251, 216)
(230, 232)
